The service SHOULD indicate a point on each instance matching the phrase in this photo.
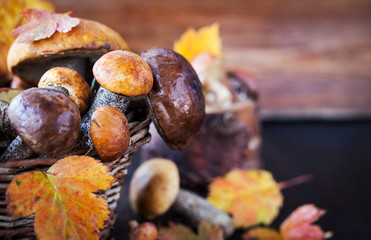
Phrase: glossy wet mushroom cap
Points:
(78, 49)
(70, 82)
(123, 72)
(176, 98)
(110, 133)
(46, 120)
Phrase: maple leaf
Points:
(250, 196)
(206, 231)
(43, 24)
(261, 233)
(206, 39)
(62, 198)
(298, 226)
(10, 19)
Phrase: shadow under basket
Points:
(22, 228)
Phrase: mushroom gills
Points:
(80, 61)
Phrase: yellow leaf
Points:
(250, 196)
(206, 39)
(62, 198)
(261, 233)
(10, 18)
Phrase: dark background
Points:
(336, 153)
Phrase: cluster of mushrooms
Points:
(83, 83)
(83, 88)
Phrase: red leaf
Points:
(298, 226)
(43, 24)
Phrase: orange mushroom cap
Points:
(110, 133)
(123, 72)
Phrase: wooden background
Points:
(312, 57)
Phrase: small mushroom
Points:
(78, 49)
(70, 82)
(144, 231)
(47, 121)
(110, 133)
(154, 187)
(176, 99)
(122, 74)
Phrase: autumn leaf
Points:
(43, 24)
(261, 233)
(10, 19)
(250, 196)
(62, 198)
(206, 39)
(206, 231)
(298, 226)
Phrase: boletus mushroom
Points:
(71, 83)
(46, 120)
(176, 99)
(122, 75)
(154, 187)
(78, 49)
(110, 133)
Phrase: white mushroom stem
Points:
(17, 150)
(103, 97)
(197, 209)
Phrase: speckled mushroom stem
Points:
(103, 97)
(196, 209)
(17, 150)
(7, 133)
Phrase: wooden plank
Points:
(312, 58)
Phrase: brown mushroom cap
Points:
(46, 120)
(110, 133)
(154, 187)
(89, 40)
(123, 72)
(70, 80)
(176, 97)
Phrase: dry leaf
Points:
(298, 226)
(261, 233)
(250, 196)
(206, 39)
(62, 198)
(206, 231)
(10, 19)
(43, 24)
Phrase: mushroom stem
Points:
(196, 209)
(103, 97)
(7, 133)
(17, 150)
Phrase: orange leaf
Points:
(298, 226)
(250, 196)
(206, 231)
(205, 40)
(43, 24)
(62, 198)
(261, 233)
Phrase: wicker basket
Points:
(22, 228)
